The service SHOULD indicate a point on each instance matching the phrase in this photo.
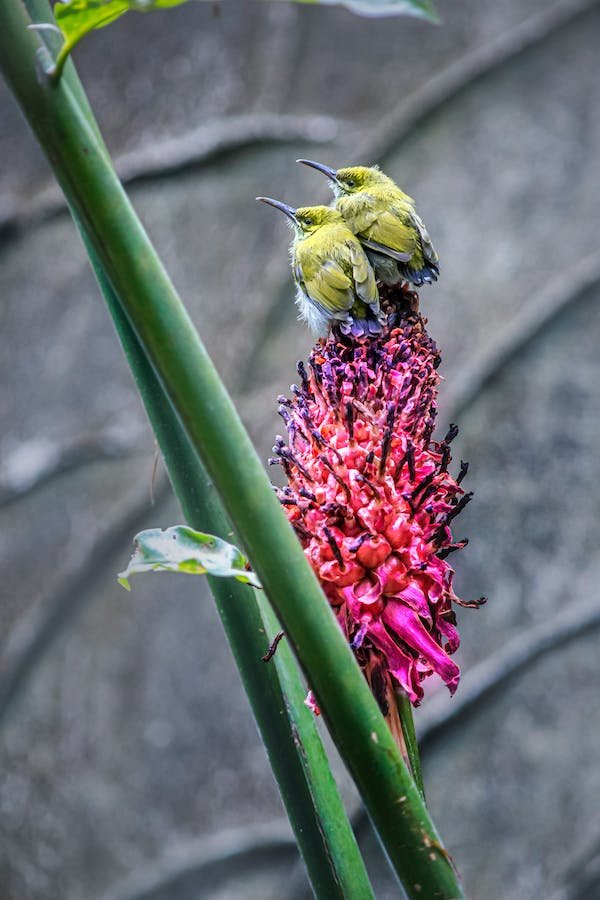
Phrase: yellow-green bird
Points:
(334, 280)
(385, 220)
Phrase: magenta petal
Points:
(416, 599)
(450, 632)
(359, 606)
(407, 625)
(400, 664)
(311, 702)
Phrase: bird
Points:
(334, 279)
(385, 220)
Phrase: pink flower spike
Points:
(371, 498)
(311, 701)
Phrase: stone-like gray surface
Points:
(527, 764)
(130, 750)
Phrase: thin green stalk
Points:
(211, 423)
(275, 690)
(407, 724)
(41, 15)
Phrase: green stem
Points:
(212, 425)
(275, 690)
(54, 72)
(405, 714)
(53, 40)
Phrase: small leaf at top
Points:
(181, 549)
(76, 18)
(423, 9)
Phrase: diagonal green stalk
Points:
(215, 432)
(275, 690)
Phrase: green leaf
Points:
(422, 9)
(76, 17)
(181, 549)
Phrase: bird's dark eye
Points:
(308, 221)
(350, 182)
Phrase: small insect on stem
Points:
(273, 647)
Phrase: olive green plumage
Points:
(334, 279)
(385, 220)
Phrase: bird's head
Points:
(306, 219)
(350, 179)
(311, 218)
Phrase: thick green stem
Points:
(210, 421)
(275, 690)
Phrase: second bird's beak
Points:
(288, 210)
(331, 173)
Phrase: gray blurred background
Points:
(130, 765)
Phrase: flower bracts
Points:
(371, 498)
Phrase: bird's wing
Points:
(428, 248)
(392, 235)
(334, 276)
(385, 251)
(363, 276)
(359, 212)
(330, 287)
(298, 276)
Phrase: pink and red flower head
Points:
(371, 498)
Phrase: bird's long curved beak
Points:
(288, 210)
(326, 170)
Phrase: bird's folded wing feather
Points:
(385, 251)
(389, 233)
(298, 276)
(328, 285)
(428, 249)
(364, 278)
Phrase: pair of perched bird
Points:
(371, 233)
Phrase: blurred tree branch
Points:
(211, 860)
(565, 289)
(191, 150)
(579, 878)
(488, 676)
(462, 74)
(34, 464)
(34, 637)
